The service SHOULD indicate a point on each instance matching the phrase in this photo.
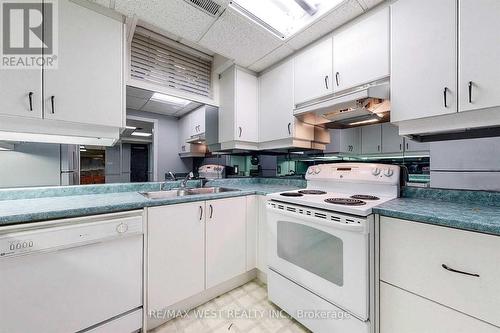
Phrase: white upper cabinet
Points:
(238, 110)
(391, 141)
(414, 146)
(347, 140)
(423, 58)
(184, 126)
(361, 52)
(21, 93)
(313, 72)
(371, 139)
(87, 87)
(479, 52)
(197, 121)
(276, 120)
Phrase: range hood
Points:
(199, 138)
(361, 105)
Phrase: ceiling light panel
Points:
(285, 17)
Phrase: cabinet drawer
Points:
(403, 312)
(412, 256)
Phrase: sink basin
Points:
(182, 192)
(210, 190)
(165, 194)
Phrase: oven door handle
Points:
(354, 227)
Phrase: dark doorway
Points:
(139, 163)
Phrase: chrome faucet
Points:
(185, 180)
(172, 176)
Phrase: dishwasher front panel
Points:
(68, 289)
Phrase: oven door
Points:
(326, 257)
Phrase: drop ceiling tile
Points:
(237, 37)
(270, 59)
(176, 16)
(340, 15)
(135, 103)
(367, 4)
(158, 107)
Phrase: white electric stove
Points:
(319, 253)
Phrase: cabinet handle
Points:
(400, 147)
(407, 146)
(445, 93)
(378, 147)
(337, 78)
(326, 82)
(289, 128)
(241, 130)
(470, 91)
(457, 271)
(211, 211)
(52, 103)
(201, 213)
(30, 96)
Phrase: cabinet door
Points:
(350, 140)
(15, 88)
(351, 65)
(276, 103)
(197, 121)
(423, 58)
(391, 141)
(478, 54)
(412, 146)
(313, 72)
(226, 105)
(403, 312)
(371, 139)
(87, 87)
(247, 107)
(184, 133)
(225, 240)
(176, 252)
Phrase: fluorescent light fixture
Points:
(131, 127)
(143, 134)
(369, 121)
(83, 149)
(284, 17)
(169, 99)
(61, 139)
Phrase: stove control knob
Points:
(388, 172)
(376, 171)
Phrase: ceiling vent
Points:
(208, 6)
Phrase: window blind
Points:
(158, 60)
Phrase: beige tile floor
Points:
(242, 310)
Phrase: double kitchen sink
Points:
(180, 192)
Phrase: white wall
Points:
(472, 164)
(168, 143)
(30, 164)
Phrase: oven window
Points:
(314, 250)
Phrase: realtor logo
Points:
(28, 34)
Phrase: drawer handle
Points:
(456, 271)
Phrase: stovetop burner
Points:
(365, 197)
(314, 192)
(345, 201)
(291, 194)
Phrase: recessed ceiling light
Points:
(143, 134)
(284, 17)
(169, 99)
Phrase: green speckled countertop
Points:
(468, 210)
(38, 204)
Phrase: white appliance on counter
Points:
(74, 275)
(320, 259)
(211, 171)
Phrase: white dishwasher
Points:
(74, 275)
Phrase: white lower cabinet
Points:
(176, 253)
(225, 247)
(458, 269)
(404, 312)
(193, 247)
